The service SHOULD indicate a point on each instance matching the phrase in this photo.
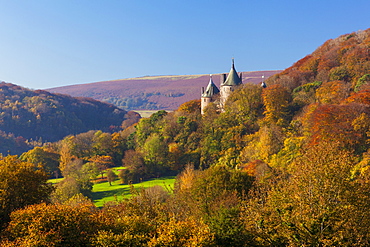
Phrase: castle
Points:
(227, 85)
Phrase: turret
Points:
(232, 80)
(208, 95)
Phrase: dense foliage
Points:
(285, 165)
(21, 184)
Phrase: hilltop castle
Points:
(227, 85)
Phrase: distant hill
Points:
(28, 114)
(151, 92)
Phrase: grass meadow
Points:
(102, 192)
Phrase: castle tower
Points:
(208, 95)
(227, 86)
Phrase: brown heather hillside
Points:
(151, 92)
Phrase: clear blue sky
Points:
(50, 43)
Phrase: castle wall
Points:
(204, 102)
(225, 91)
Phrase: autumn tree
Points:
(119, 146)
(190, 106)
(305, 94)
(277, 105)
(65, 150)
(102, 162)
(189, 232)
(362, 97)
(332, 92)
(334, 123)
(263, 144)
(131, 118)
(317, 205)
(213, 195)
(21, 183)
(53, 225)
(135, 167)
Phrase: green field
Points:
(55, 180)
(103, 192)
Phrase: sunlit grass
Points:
(55, 180)
(103, 192)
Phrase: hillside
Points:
(151, 92)
(342, 65)
(39, 114)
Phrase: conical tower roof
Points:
(232, 79)
(211, 89)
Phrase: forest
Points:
(285, 165)
(29, 118)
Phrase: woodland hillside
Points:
(42, 116)
(285, 165)
(151, 92)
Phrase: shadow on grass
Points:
(103, 193)
(117, 192)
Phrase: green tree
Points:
(77, 179)
(44, 156)
(155, 152)
(365, 79)
(135, 167)
(64, 190)
(111, 176)
(147, 126)
(102, 143)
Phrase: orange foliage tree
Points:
(334, 123)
